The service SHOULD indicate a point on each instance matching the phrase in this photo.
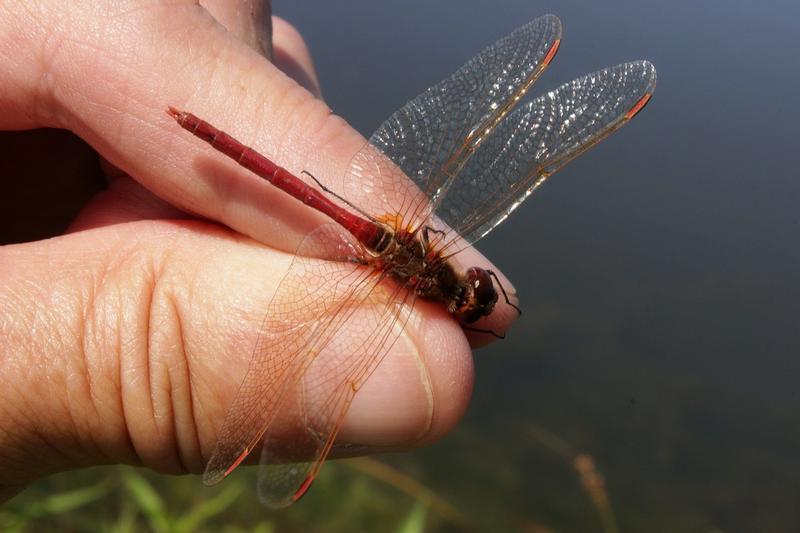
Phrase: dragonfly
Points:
(441, 172)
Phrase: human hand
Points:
(125, 340)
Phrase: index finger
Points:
(184, 58)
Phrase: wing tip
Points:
(301, 491)
(553, 20)
(638, 106)
(551, 53)
(282, 500)
(648, 72)
(212, 477)
(215, 474)
(548, 21)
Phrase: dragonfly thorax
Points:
(411, 261)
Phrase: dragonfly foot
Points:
(487, 331)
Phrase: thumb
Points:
(126, 344)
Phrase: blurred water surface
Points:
(659, 273)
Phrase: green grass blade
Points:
(416, 519)
(147, 499)
(207, 509)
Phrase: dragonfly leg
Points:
(330, 192)
(478, 330)
(426, 237)
(503, 290)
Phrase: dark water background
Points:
(659, 273)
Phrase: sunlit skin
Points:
(126, 338)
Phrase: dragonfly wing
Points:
(302, 318)
(311, 415)
(538, 139)
(430, 138)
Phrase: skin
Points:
(125, 339)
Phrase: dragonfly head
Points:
(478, 296)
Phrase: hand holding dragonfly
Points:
(126, 339)
(439, 174)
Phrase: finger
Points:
(272, 37)
(292, 56)
(24, 88)
(249, 20)
(124, 200)
(197, 64)
(127, 344)
(182, 57)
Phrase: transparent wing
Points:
(313, 412)
(538, 139)
(432, 137)
(309, 306)
(303, 376)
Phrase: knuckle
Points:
(134, 348)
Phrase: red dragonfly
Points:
(446, 169)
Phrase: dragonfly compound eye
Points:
(479, 296)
